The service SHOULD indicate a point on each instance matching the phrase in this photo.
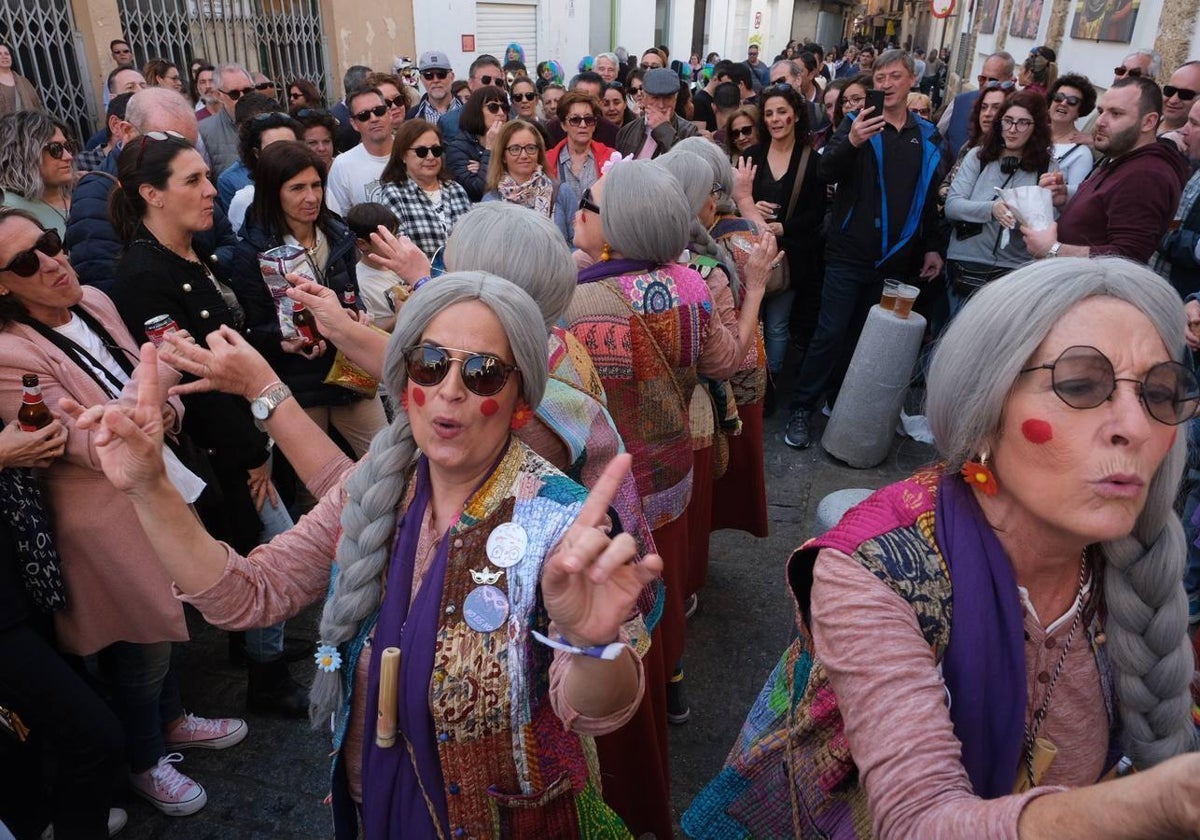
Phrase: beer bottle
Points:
(305, 324)
(33, 414)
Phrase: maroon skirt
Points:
(699, 516)
(739, 497)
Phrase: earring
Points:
(978, 475)
(606, 253)
(522, 415)
(404, 400)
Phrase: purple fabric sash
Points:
(614, 268)
(393, 805)
(984, 664)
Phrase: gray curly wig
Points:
(379, 484)
(23, 135)
(973, 371)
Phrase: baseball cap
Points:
(660, 82)
(434, 60)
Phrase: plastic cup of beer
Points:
(906, 295)
(888, 301)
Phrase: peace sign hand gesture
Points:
(590, 581)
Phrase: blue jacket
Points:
(230, 181)
(94, 247)
(960, 124)
(460, 151)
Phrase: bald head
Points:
(162, 109)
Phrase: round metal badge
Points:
(506, 545)
(485, 609)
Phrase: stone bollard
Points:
(833, 507)
(863, 422)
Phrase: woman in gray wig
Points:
(37, 169)
(981, 643)
(491, 572)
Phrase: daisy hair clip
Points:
(328, 658)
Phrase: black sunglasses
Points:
(586, 202)
(430, 75)
(265, 86)
(235, 95)
(1184, 94)
(57, 149)
(482, 373)
(646, 66)
(744, 131)
(294, 95)
(498, 81)
(1083, 377)
(579, 119)
(425, 151)
(1133, 72)
(158, 137)
(378, 111)
(494, 107)
(524, 97)
(397, 101)
(27, 262)
(1067, 98)
(635, 89)
(993, 84)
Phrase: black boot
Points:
(272, 691)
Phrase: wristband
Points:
(421, 281)
(608, 652)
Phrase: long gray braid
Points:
(379, 483)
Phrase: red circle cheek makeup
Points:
(417, 394)
(489, 407)
(1037, 431)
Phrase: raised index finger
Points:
(148, 396)
(595, 509)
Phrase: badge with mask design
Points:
(485, 609)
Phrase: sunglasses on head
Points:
(397, 101)
(57, 149)
(378, 111)
(744, 131)
(482, 373)
(425, 151)
(1083, 377)
(1184, 94)
(498, 81)
(235, 95)
(430, 75)
(1067, 98)
(1133, 72)
(524, 97)
(158, 137)
(586, 202)
(494, 107)
(267, 115)
(581, 120)
(27, 263)
(996, 84)
(265, 86)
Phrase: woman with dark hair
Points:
(831, 99)
(159, 72)
(983, 115)
(16, 92)
(792, 201)
(302, 93)
(469, 153)
(461, 90)
(634, 82)
(525, 103)
(164, 200)
(417, 188)
(289, 209)
(1038, 73)
(613, 105)
(254, 135)
(36, 170)
(1070, 97)
(853, 97)
(1014, 153)
(317, 127)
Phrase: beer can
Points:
(158, 327)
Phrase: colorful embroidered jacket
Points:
(790, 774)
(645, 334)
(738, 236)
(510, 766)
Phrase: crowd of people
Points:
(479, 365)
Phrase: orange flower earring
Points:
(606, 253)
(521, 415)
(978, 475)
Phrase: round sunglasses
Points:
(482, 373)
(1083, 377)
(57, 149)
(27, 263)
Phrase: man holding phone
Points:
(887, 166)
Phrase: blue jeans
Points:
(266, 643)
(776, 317)
(847, 296)
(146, 697)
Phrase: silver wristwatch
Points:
(266, 402)
(1053, 252)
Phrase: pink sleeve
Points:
(276, 580)
(329, 476)
(893, 701)
(720, 356)
(560, 667)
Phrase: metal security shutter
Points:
(499, 24)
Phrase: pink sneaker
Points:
(206, 733)
(167, 789)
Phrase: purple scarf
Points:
(614, 268)
(984, 664)
(393, 804)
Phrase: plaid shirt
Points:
(427, 111)
(90, 159)
(426, 225)
(1191, 191)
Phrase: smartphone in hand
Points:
(875, 101)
